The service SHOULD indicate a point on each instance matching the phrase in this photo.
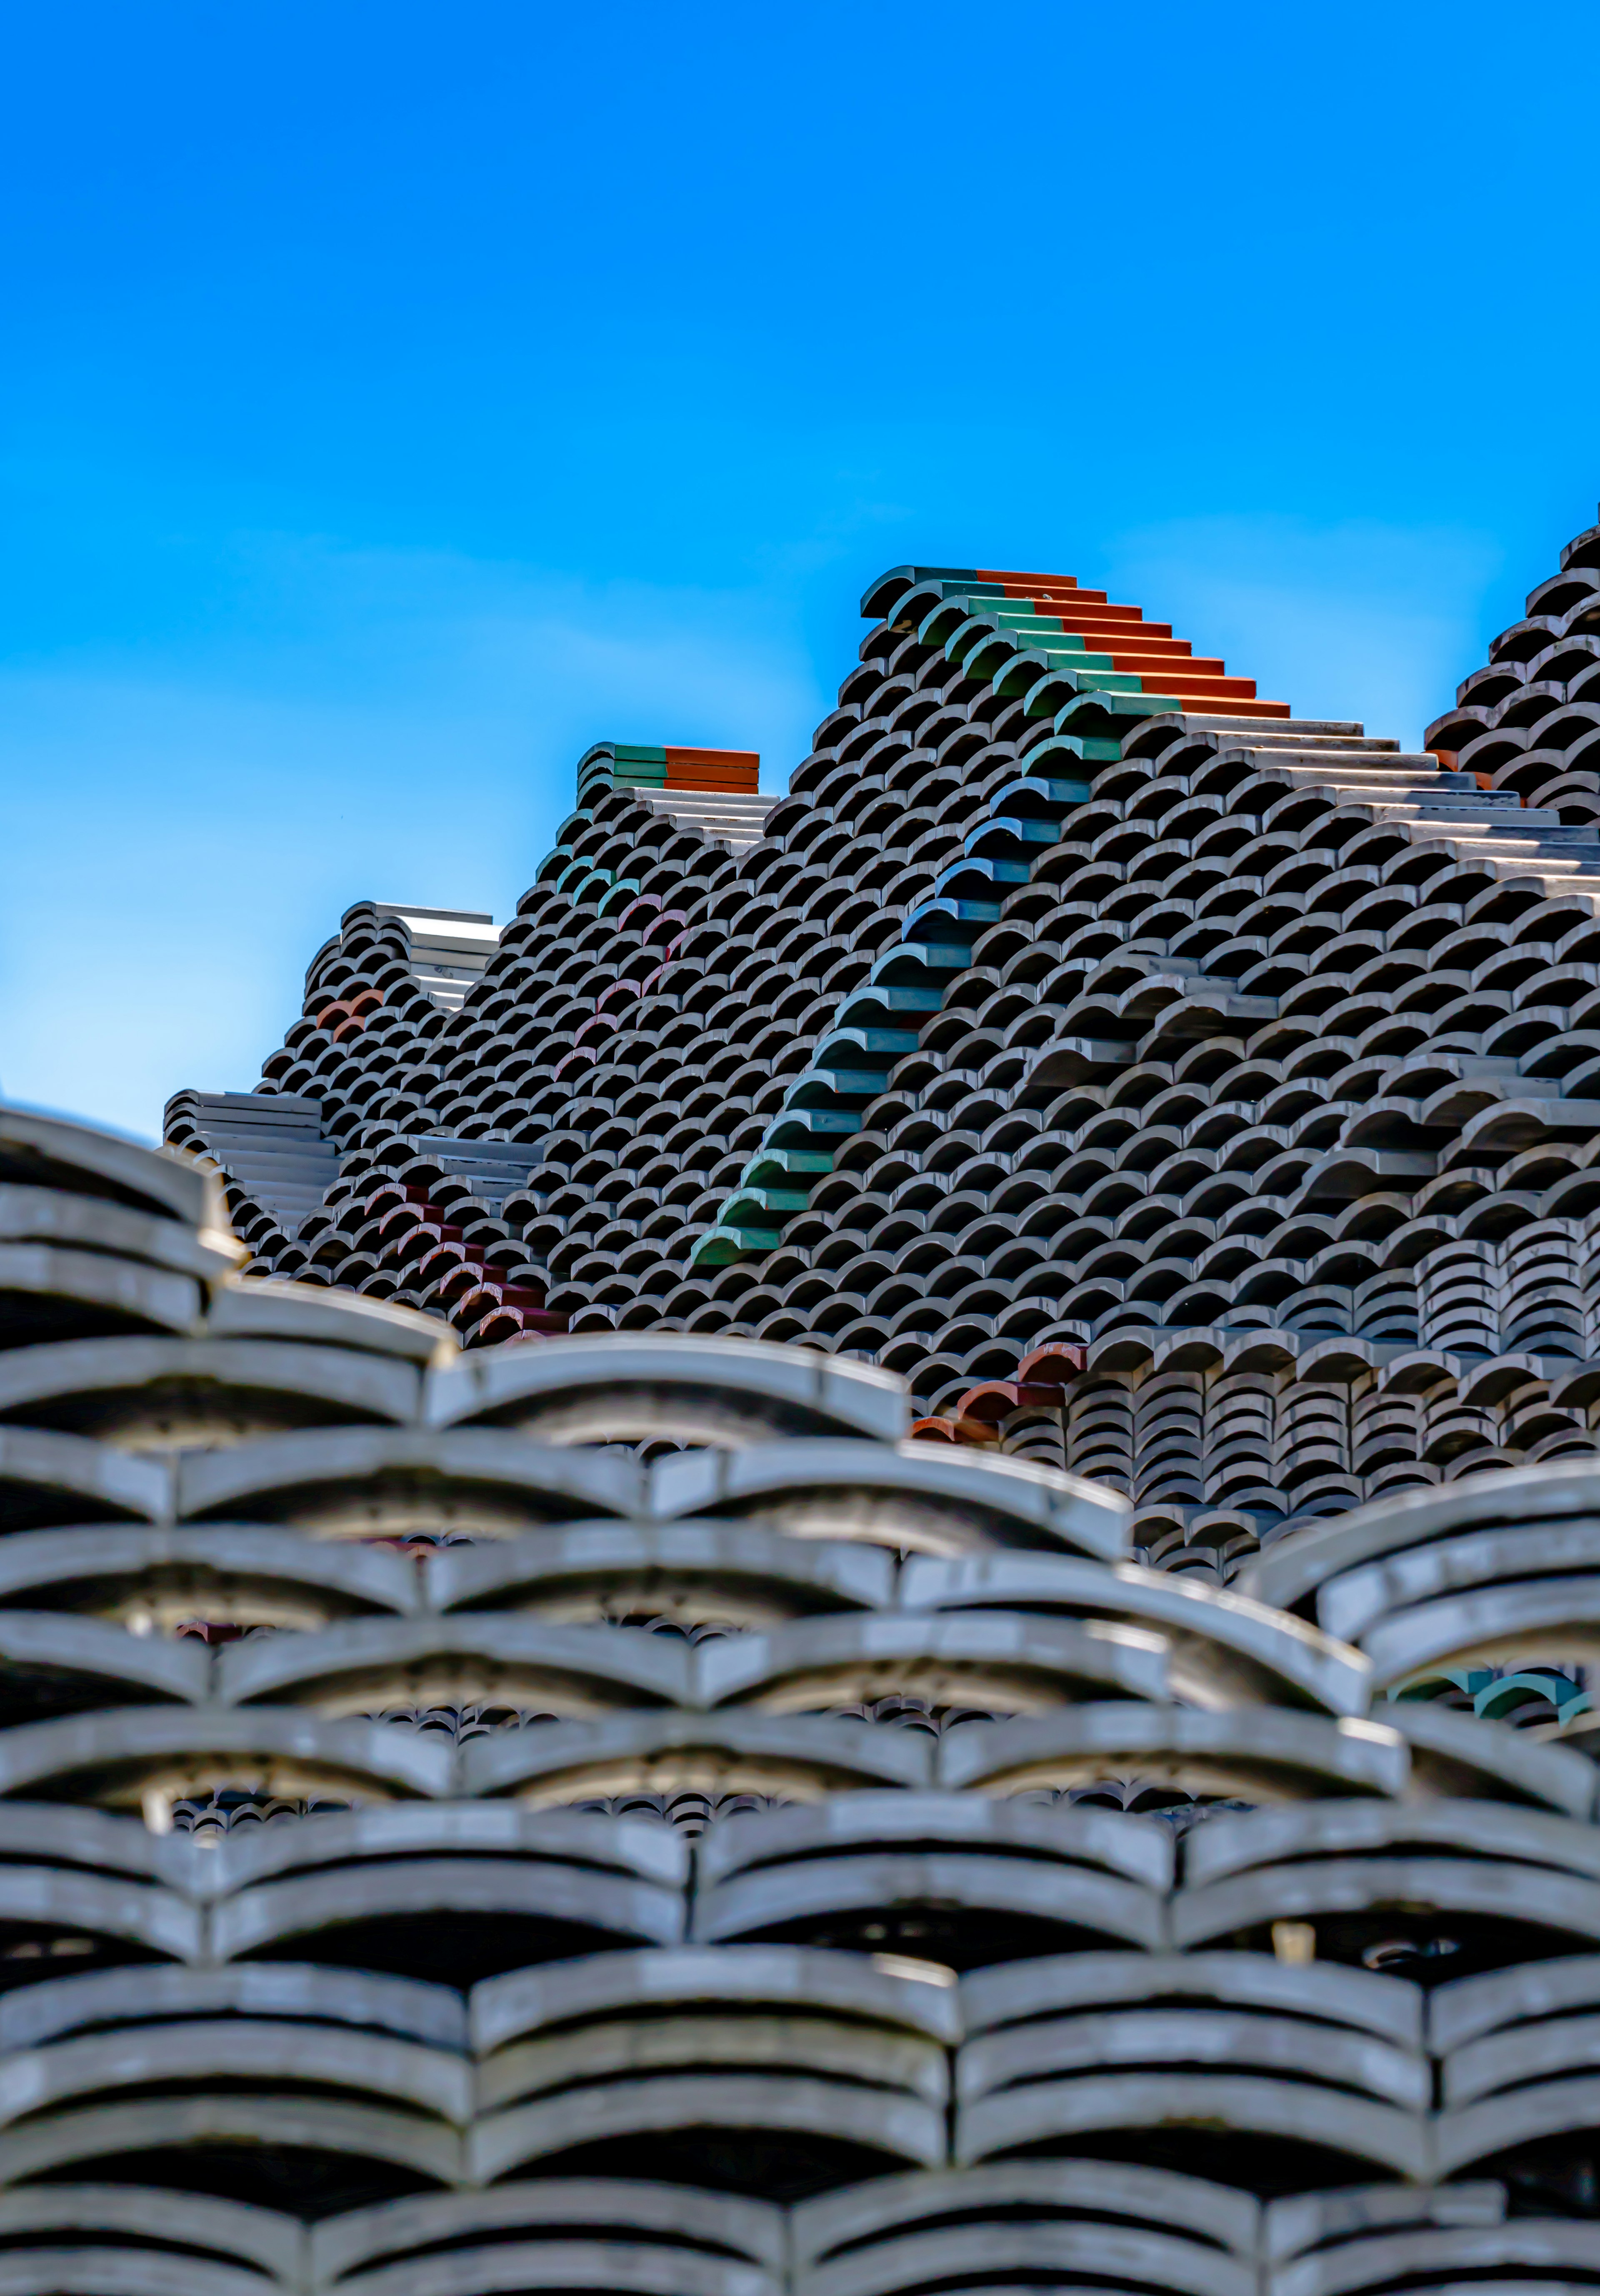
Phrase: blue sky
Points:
(395, 399)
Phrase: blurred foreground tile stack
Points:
(622, 1813)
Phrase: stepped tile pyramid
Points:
(622, 1815)
(1193, 1096)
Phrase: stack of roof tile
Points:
(621, 1815)
(1197, 1097)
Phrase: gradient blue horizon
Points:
(393, 403)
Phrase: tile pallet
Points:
(1077, 1007)
(619, 1815)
